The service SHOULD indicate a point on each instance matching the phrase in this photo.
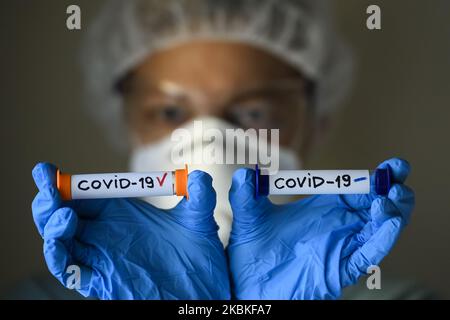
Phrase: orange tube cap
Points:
(63, 183)
(181, 180)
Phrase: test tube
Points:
(122, 185)
(304, 182)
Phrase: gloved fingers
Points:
(403, 198)
(44, 175)
(358, 239)
(247, 209)
(196, 213)
(400, 169)
(399, 203)
(47, 199)
(57, 257)
(61, 225)
(373, 251)
(202, 196)
(64, 268)
(381, 210)
(68, 259)
(59, 239)
(375, 240)
(65, 226)
(357, 201)
(85, 253)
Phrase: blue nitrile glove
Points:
(314, 247)
(128, 249)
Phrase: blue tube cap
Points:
(382, 181)
(261, 183)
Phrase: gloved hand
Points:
(314, 247)
(128, 249)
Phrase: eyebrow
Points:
(266, 88)
(174, 90)
(171, 88)
(126, 85)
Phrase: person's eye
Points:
(170, 114)
(250, 116)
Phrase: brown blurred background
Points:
(400, 106)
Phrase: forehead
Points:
(212, 65)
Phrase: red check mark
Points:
(161, 181)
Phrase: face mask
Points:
(158, 156)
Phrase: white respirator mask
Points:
(158, 156)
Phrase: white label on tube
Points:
(290, 182)
(122, 185)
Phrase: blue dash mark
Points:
(359, 179)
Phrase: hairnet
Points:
(299, 32)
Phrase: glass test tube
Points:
(298, 182)
(122, 185)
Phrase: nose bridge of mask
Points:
(152, 157)
(220, 171)
(158, 156)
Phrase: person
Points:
(152, 67)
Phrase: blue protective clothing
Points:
(127, 248)
(314, 247)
